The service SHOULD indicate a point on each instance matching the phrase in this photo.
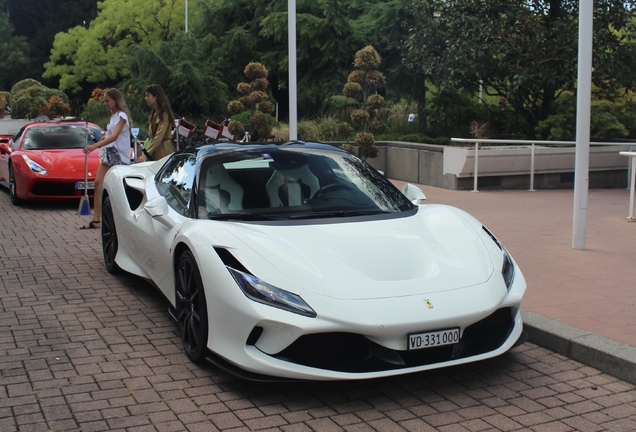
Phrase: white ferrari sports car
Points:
(301, 261)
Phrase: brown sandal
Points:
(91, 225)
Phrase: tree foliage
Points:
(136, 42)
(362, 86)
(15, 54)
(29, 98)
(525, 52)
(35, 24)
(98, 53)
(187, 70)
(254, 101)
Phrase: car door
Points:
(5, 154)
(174, 183)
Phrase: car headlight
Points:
(262, 292)
(508, 268)
(35, 167)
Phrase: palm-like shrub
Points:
(253, 106)
(362, 86)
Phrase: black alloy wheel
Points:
(109, 236)
(192, 313)
(13, 193)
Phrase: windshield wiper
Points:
(242, 216)
(336, 213)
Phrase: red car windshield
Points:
(60, 137)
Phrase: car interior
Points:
(57, 138)
(264, 184)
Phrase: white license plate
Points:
(432, 339)
(80, 185)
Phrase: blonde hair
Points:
(120, 103)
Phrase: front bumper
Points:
(357, 339)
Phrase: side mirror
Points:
(158, 209)
(413, 193)
(4, 147)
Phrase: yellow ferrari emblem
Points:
(429, 304)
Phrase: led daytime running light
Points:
(35, 167)
(508, 269)
(262, 292)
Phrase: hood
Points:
(64, 160)
(435, 250)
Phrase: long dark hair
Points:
(163, 104)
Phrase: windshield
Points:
(60, 137)
(293, 183)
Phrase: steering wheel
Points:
(332, 187)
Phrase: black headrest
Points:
(287, 160)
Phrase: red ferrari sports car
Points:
(44, 160)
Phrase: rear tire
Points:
(13, 189)
(192, 312)
(109, 237)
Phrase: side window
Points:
(175, 181)
(16, 139)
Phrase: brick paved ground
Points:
(83, 350)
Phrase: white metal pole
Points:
(630, 215)
(293, 108)
(186, 16)
(583, 111)
(475, 182)
(532, 168)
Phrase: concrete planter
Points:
(498, 167)
(497, 161)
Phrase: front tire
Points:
(109, 237)
(13, 189)
(192, 312)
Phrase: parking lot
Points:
(84, 350)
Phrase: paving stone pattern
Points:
(82, 350)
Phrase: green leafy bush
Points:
(27, 102)
(3, 102)
(7, 98)
(328, 129)
(96, 112)
(29, 98)
(605, 120)
(308, 131)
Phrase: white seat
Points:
(218, 186)
(293, 180)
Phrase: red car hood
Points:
(65, 160)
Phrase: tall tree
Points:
(186, 69)
(523, 51)
(38, 21)
(15, 53)
(97, 53)
(385, 24)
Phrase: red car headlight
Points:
(34, 166)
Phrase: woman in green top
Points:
(160, 122)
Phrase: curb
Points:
(607, 355)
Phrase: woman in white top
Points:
(114, 147)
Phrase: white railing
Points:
(530, 144)
(632, 164)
